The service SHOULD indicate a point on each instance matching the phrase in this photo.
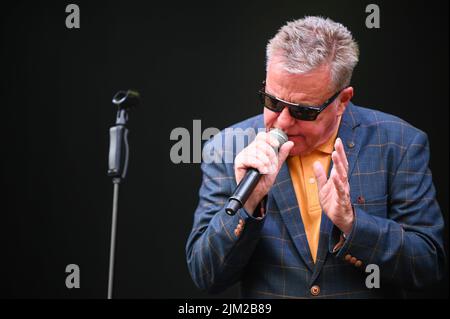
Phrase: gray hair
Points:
(311, 42)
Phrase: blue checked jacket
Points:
(398, 223)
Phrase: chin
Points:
(296, 150)
(299, 150)
(299, 145)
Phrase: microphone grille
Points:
(279, 135)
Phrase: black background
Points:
(190, 60)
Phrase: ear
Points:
(346, 96)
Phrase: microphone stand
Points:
(118, 164)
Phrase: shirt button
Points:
(312, 180)
(315, 290)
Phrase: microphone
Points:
(251, 179)
(118, 134)
(118, 163)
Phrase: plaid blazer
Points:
(398, 223)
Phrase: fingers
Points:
(263, 149)
(321, 177)
(339, 186)
(340, 164)
(266, 154)
(284, 152)
(343, 198)
(267, 138)
(262, 164)
(341, 152)
(251, 159)
(259, 155)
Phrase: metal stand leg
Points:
(116, 182)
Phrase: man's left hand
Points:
(334, 193)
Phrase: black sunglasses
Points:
(298, 111)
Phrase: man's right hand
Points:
(260, 155)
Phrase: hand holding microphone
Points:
(256, 168)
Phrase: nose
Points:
(285, 120)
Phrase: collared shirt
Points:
(305, 186)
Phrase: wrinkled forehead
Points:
(312, 87)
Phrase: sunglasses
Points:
(297, 111)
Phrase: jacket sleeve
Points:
(216, 252)
(408, 245)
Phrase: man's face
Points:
(312, 89)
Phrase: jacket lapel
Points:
(284, 195)
(351, 137)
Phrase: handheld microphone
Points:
(251, 179)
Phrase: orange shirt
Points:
(305, 186)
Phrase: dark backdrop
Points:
(189, 60)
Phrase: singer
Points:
(350, 188)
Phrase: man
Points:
(350, 188)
